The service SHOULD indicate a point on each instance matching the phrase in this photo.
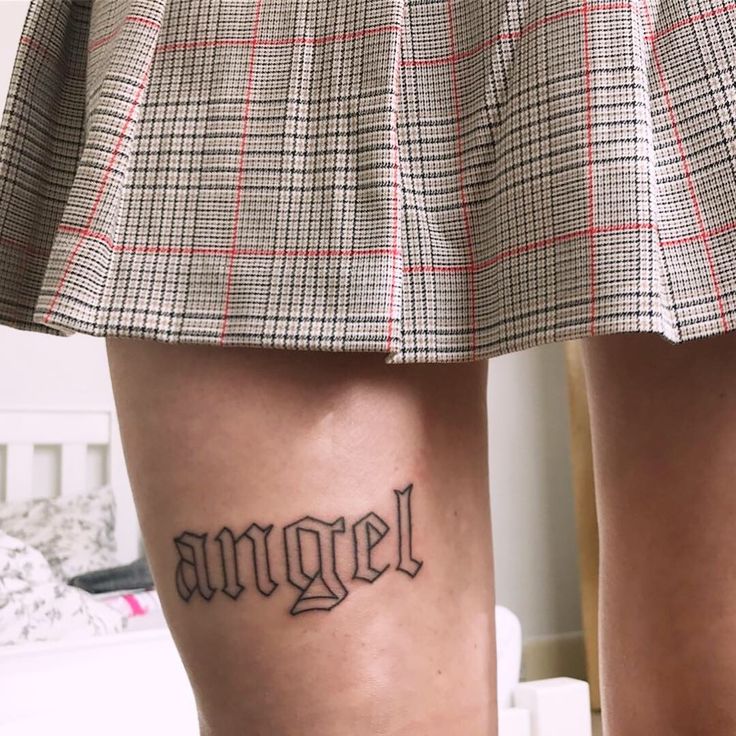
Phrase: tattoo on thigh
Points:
(309, 548)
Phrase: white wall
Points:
(532, 503)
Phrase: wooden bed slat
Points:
(18, 471)
(85, 447)
(73, 468)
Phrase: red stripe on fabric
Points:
(730, 7)
(128, 19)
(515, 35)
(333, 38)
(239, 182)
(98, 198)
(563, 15)
(21, 246)
(396, 165)
(287, 41)
(211, 250)
(590, 170)
(34, 44)
(686, 169)
(461, 177)
(45, 52)
(534, 25)
(522, 249)
(356, 252)
(714, 233)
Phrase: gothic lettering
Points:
(191, 571)
(407, 563)
(367, 533)
(310, 557)
(321, 586)
(261, 565)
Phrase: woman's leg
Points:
(345, 582)
(663, 420)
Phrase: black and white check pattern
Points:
(438, 180)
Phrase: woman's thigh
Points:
(663, 420)
(318, 529)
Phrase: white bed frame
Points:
(112, 684)
(61, 451)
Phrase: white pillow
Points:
(74, 533)
(35, 605)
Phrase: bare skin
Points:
(663, 420)
(229, 437)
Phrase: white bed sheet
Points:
(132, 682)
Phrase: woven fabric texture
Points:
(437, 180)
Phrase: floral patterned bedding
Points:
(43, 543)
(74, 533)
(36, 605)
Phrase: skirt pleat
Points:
(436, 180)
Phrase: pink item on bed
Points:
(136, 603)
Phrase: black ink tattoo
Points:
(321, 589)
(407, 563)
(363, 543)
(228, 555)
(309, 554)
(259, 537)
(191, 572)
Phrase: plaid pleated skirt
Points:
(436, 180)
